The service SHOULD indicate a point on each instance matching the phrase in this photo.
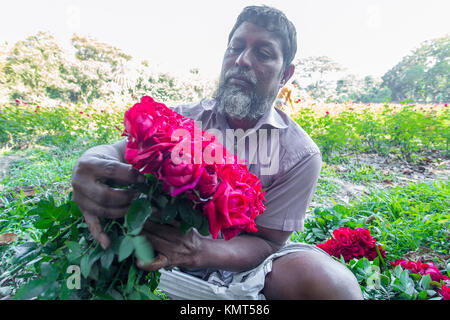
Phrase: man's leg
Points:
(310, 275)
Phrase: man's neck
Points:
(243, 124)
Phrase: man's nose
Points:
(243, 60)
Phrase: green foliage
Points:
(378, 282)
(406, 132)
(62, 125)
(401, 219)
(65, 242)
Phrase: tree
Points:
(316, 73)
(423, 75)
(32, 68)
(100, 69)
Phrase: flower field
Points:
(381, 205)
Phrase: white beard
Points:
(238, 103)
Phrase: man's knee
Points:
(310, 275)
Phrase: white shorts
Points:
(247, 285)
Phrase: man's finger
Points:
(115, 171)
(87, 205)
(96, 230)
(167, 232)
(159, 262)
(102, 194)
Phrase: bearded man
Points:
(263, 265)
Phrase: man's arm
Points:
(192, 250)
(287, 199)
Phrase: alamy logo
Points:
(74, 280)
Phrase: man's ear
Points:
(287, 74)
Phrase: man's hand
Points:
(173, 247)
(94, 173)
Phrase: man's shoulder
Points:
(295, 140)
(194, 110)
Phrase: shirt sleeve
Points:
(289, 196)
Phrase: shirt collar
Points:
(271, 118)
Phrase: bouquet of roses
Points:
(352, 244)
(190, 175)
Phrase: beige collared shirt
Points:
(278, 151)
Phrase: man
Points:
(256, 64)
(286, 97)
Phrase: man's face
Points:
(252, 71)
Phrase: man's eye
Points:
(265, 54)
(234, 49)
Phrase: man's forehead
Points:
(250, 30)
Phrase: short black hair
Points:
(272, 20)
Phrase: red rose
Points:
(434, 272)
(148, 158)
(208, 182)
(217, 209)
(331, 247)
(344, 236)
(180, 177)
(365, 237)
(445, 292)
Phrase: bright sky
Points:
(367, 37)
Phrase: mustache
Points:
(241, 74)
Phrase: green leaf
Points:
(107, 258)
(148, 294)
(138, 213)
(143, 249)
(185, 227)
(126, 248)
(425, 282)
(49, 271)
(75, 251)
(169, 213)
(85, 265)
(134, 296)
(204, 229)
(25, 252)
(161, 201)
(131, 279)
(64, 212)
(197, 218)
(32, 289)
(186, 211)
(43, 223)
(75, 210)
(423, 295)
(404, 278)
(114, 294)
